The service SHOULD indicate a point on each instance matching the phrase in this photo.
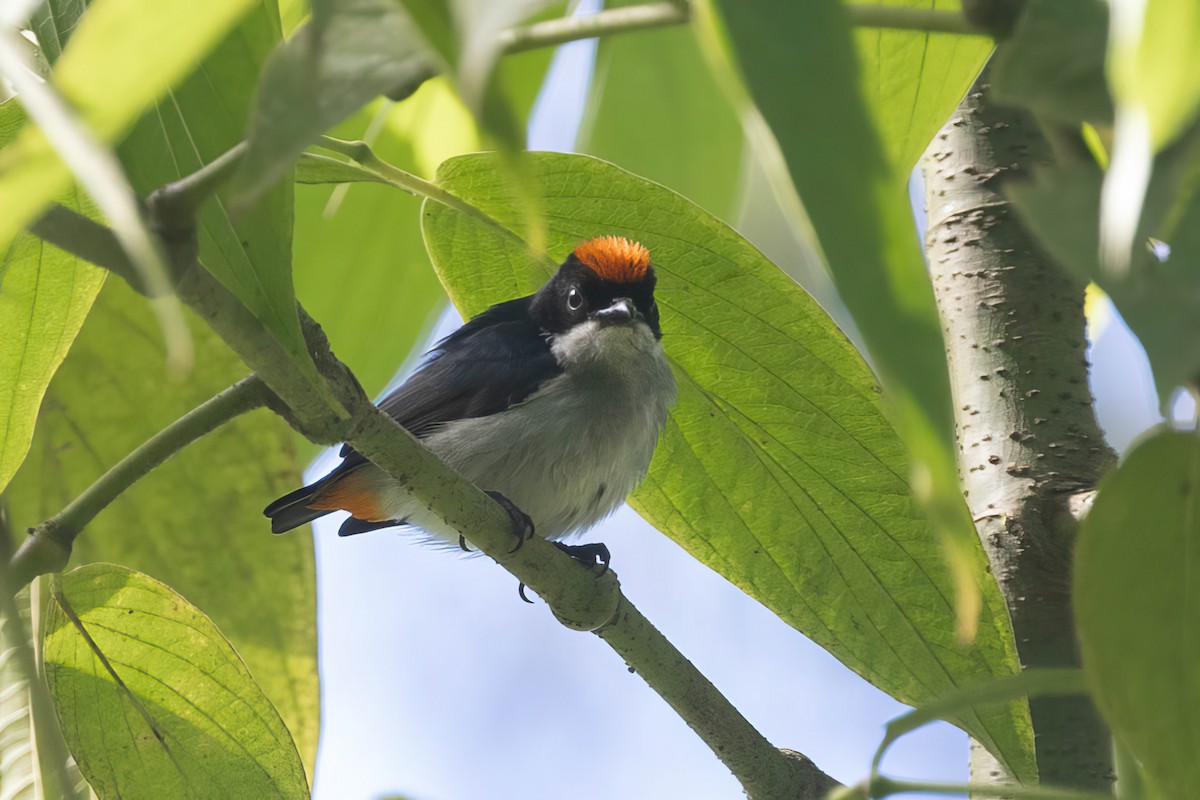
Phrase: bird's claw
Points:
(522, 525)
(462, 544)
(587, 554)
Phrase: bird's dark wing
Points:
(497, 359)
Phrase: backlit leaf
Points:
(831, 123)
(109, 93)
(45, 294)
(174, 712)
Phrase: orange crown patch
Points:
(615, 258)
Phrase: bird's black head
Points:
(593, 281)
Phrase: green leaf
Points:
(658, 81)
(1054, 62)
(45, 294)
(53, 21)
(196, 521)
(19, 776)
(109, 93)
(368, 48)
(1137, 610)
(911, 81)
(1160, 301)
(436, 23)
(854, 194)
(250, 253)
(778, 467)
(1151, 39)
(169, 710)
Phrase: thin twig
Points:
(911, 19)
(362, 154)
(603, 23)
(758, 765)
(48, 545)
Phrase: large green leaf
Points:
(166, 708)
(1160, 300)
(250, 252)
(1156, 101)
(107, 92)
(53, 21)
(911, 81)
(1138, 611)
(656, 109)
(778, 468)
(1151, 40)
(45, 295)
(196, 521)
(854, 192)
(1054, 62)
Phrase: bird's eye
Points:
(574, 300)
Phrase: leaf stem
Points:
(48, 545)
(1041, 682)
(614, 20)
(911, 19)
(361, 152)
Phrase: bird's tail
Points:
(292, 511)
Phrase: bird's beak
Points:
(620, 312)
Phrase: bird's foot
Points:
(589, 555)
(522, 525)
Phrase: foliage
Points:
(785, 466)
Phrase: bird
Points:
(552, 403)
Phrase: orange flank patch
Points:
(615, 258)
(352, 494)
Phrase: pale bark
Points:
(1030, 449)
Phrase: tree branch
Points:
(603, 23)
(1029, 444)
(48, 546)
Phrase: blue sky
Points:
(440, 684)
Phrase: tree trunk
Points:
(1030, 449)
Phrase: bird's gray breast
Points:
(571, 453)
